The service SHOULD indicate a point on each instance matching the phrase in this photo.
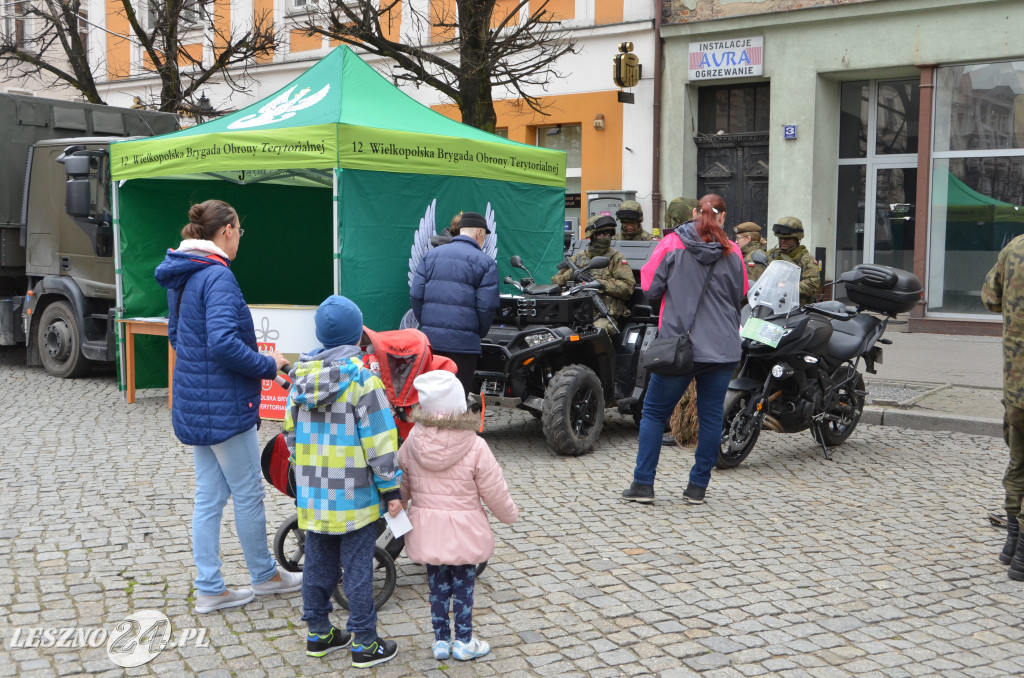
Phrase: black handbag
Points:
(673, 356)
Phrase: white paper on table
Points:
(400, 524)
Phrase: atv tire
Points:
(573, 411)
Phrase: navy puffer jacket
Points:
(218, 370)
(454, 295)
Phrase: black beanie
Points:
(473, 220)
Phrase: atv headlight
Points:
(536, 338)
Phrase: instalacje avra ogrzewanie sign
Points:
(728, 58)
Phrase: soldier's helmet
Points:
(749, 227)
(598, 224)
(680, 210)
(630, 210)
(789, 227)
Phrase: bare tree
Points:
(467, 52)
(54, 47)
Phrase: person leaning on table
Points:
(217, 401)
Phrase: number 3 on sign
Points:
(139, 638)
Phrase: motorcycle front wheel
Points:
(847, 413)
(739, 433)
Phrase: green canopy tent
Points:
(339, 178)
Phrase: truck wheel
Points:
(573, 410)
(59, 342)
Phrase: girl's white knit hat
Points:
(440, 393)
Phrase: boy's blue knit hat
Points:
(339, 322)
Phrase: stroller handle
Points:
(282, 381)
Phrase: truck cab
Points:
(57, 293)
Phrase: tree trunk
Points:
(476, 104)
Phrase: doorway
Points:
(732, 150)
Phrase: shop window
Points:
(877, 186)
(977, 180)
(568, 138)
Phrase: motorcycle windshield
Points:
(778, 288)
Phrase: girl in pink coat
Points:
(447, 469)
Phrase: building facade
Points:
(893, 130)
(609, 143)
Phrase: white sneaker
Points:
(442, 649)
(289, 582)
(231, 598)
(471, 650)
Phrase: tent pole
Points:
(115, 205)
(337, 243)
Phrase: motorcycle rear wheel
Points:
(836, 432)
(735, 447)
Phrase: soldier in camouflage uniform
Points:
(790, 231)
(631, 216)
(748, 237)
(1003, 292)
(617, 276)
(679, 211)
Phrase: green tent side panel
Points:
(379, 221)
(285, 256)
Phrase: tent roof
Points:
(338, 113)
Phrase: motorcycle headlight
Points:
(780, 370)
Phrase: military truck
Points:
(56, 235)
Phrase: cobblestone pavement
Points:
(878, 563)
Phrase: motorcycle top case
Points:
(883, 289)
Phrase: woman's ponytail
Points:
(708, 209)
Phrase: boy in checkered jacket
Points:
(343, 444)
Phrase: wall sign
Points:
(729, 58)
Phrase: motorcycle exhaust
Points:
(772, 424)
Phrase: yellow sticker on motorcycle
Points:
(762, 331)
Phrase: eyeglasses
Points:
(241, 231)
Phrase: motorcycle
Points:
(801, 366)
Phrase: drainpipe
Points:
(922, 211)
(656, 129)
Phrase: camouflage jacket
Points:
(1003, 292)
(809, 277)
(617, 278)
(639, 235)
(755, 270)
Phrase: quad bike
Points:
(544, 355)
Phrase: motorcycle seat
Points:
(849, 337)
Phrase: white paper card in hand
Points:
(400, 524)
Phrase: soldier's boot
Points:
(1016, 571)
(1012, 532)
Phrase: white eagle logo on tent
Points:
(421, 245)
(281, 107)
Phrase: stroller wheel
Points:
(290, 545)
(480, 568)
(384, 576)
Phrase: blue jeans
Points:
(229, 469)
(662, 395)
(451, 584)
(351, 555)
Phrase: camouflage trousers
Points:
(1013, 479)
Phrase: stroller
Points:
(398, 357)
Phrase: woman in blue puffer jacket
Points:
(217, 400)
